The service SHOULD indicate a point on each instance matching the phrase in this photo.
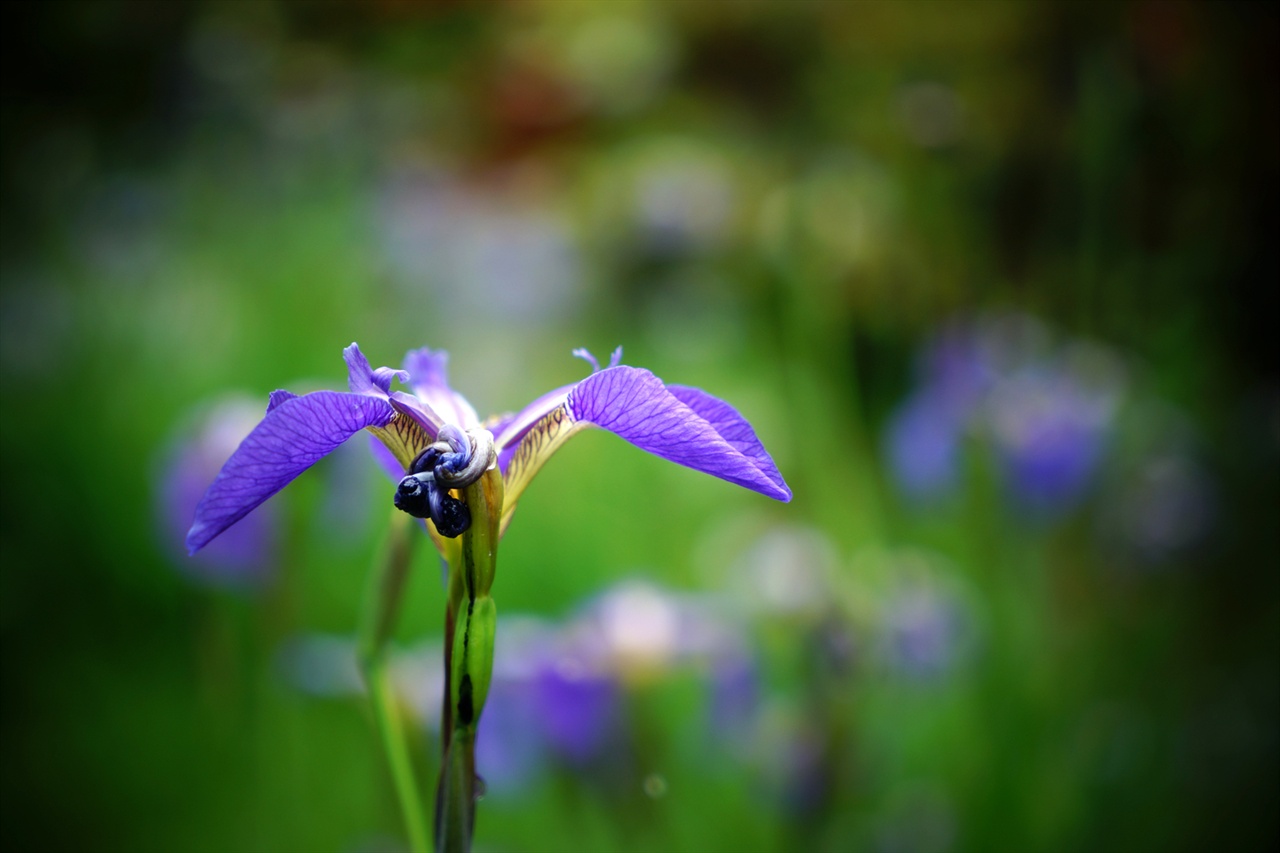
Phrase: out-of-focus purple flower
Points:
(577, 707)
(959, 365)
(1047, 410)
(923, 631)
(639, 633)
(793, 755)
(246, 556)
(550, 700)
(510, 748)
(1051, 425)
(735, 697)
(510, 752)
(923, 447)
(923, 623)
(433, 436)
(957, 369)
(567, 683)
(634, 628)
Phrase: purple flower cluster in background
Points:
(789, 626)
(1046, 409)
(559, 690)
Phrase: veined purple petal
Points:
(362, 379)
(428, 376)
(733, 428)
(293, 436)
(634, 404)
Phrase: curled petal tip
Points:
(363, 379)
(585, 354)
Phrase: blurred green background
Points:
(990, 280)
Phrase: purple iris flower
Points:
(429, 436)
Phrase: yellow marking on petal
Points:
(403, 437)
(537, 446)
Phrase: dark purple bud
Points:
(427, 461)
(413, 496)
(451, 516)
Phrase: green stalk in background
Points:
(382, 608)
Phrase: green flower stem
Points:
(455, 799)
(382, 608)
(470, 625)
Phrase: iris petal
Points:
(428, 376)
(684, 425)
(708, 436)
(735, 430)
(419, 412)
(294, 435)
(362, 379)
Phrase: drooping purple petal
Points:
(428, 376)
(733, 428)
(634, 404)
(363, 379)
(293, 436)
